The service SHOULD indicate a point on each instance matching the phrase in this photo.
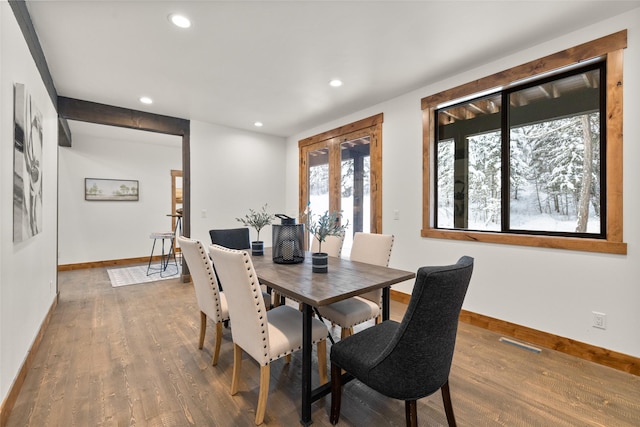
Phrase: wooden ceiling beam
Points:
(92, 112)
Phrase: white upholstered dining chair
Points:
(265, 335)
(371, 249)
(332, 245)
(211, 302)
(235, 238)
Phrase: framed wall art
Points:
(99, 189)
(27, 165)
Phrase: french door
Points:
(340, 170)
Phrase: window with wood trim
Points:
(341, 170)
(532, 155)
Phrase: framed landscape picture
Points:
(98, 189)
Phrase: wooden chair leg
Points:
(322, 361)
(237, 364)
(287, 358)
(336, 393)
(264, 393)
(378, 319)
(216, 350)
(448, 407)
(345, 332)
(203, 328)
(411, 412)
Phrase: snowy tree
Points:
(319, 179)
(485, 182)
(445, 183)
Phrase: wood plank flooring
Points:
(128, 356)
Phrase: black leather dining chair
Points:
(232, 238)
(411, 359)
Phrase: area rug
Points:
(138, 274)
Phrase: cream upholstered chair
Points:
(332, 245)
(235, 238)
(371, 249)
(211, 302)
(265, 341)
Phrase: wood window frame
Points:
(610, 48)
(370, 126)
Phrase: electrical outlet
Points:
(599, 320)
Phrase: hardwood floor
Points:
(128, 356)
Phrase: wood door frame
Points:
(174, 198)
(371, 127)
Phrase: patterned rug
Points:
(138, 274)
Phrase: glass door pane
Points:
(318, 161)
(355, 187)
(340, 170)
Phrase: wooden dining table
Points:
(345, 279)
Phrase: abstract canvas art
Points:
(27, 166)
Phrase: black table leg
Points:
(305, 419)
(386, 308)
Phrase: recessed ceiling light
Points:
(335, 83)
(180, 20)
(146, 100)
(257, 124)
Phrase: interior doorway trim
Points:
(92, 112)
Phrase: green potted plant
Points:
(258, 220)
(323, 226)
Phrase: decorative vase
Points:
(320, 262)
(257, 248)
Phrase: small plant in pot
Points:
(323, 226)
(258, 220)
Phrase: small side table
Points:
(165, 258)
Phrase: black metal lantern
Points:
(288, 241)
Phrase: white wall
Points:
(105, 230)
(549, 290)
(27, 269)
(232, 171)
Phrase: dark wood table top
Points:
(345, 278)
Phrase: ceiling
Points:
(271, 61)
